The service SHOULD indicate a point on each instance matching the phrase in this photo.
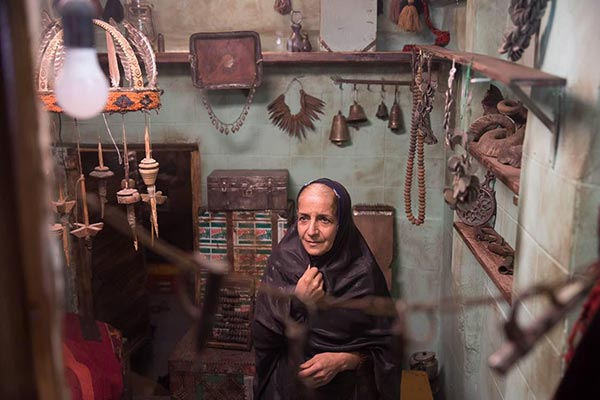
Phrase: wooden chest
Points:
(247, 189)
(214, 374)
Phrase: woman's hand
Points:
(309, 288)
(323, 367)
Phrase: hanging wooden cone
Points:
(129, 197)
(62, 206)
(102, 173)
(148, 169)
(409, 18)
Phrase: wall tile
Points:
(585, 239)
(304, 169)
(516, 385)
(369, 140)
(244, 142)
(275, 162)
(367, 195)
(243, 162)
(339, 169)
(394, 171)
(309, 146)
(533, 179)
(276, 143)
(554, 233)
(526, 261)
(420, 245)
(368, 171)
(548, 272)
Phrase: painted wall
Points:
(372, 167)
(554, 225)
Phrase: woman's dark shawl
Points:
(349, 271)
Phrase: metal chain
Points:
(225, 127)
(448, 106)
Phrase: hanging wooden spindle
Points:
(102, 173)
(85, 230)
(128, 195)
(148, 169)
(64, 208)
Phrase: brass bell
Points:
(382, 112)
(356, 114)
(395, 121)
(339, 130)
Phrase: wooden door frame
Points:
(30, 338)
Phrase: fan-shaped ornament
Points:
(127, 93)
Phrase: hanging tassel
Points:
(395, 11)
(409, 18)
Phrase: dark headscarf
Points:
(349, 271)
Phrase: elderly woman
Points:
(346, 354)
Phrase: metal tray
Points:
(226, 60)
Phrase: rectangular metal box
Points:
(247, 189)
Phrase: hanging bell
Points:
(382, 112)
(339, 130)
(395, 121)
(356, 114)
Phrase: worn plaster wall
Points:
(553, 227)
(372, 167)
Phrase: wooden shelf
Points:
(508, 175)
(314, 57)
(488, 260)
(507, 72)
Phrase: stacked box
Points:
(245, 239)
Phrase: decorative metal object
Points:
(339, 133)
(295, 124)
(226, 60)
(425, 105)
(395, 122)
(497, 245)
(487, 122)
(465, 186)
(493, 142)
(484, 209)
(526, 17)
(356, 113)
(294, 42)
(416, 146)
(382, 110)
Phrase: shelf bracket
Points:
(552, 123)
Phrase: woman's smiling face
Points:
(317, 219)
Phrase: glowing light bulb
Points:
(81, 87)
